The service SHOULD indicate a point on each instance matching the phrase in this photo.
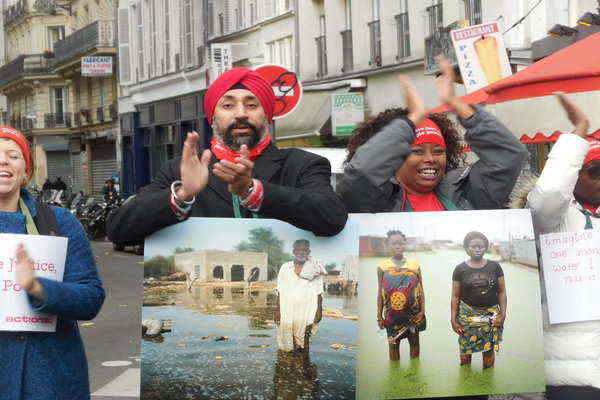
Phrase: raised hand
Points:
(414, 103)
(238, 175)
(194, 169)
(575, 115)
(445, 89)
(24, 273)
(445, 82)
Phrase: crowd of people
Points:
(402, 160)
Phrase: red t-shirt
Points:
(425, 202)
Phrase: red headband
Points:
(249, 79)
(429, 132)
(594, 151)
(14, 135)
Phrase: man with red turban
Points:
(243, 174)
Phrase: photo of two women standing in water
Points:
(439, 314)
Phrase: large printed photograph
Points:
(449, 305)
(249, 308)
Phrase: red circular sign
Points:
(286, 87)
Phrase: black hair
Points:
(475, 235)
(395, 233)
(302, 242)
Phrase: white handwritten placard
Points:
(48, 254)
(571, 263)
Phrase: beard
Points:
(235, 142)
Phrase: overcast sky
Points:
(452, 225)
(225, 233)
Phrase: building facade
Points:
(71, 119)
(223, 266)
(172, 50)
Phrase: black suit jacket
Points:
(296, 190)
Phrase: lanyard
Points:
(588, 218)
(236, 207)
(29, 223)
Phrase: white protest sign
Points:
(481, 55)
(48, 254)
(571, 263)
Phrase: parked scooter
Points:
(94, 214)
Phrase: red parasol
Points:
(576, 68)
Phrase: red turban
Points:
(11, 133)
(250, 80)
(429, 132)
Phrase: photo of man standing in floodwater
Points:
(419, 273)
(249, 308)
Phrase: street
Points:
(112, 339)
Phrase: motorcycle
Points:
(138, 248)
(93, 216)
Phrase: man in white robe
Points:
(299, 305)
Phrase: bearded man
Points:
(243, 175)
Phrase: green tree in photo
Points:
(263, 240)
(159, 266)
(179, 250)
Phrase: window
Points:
(210, 18)
(239, 22)
(280, 52)
(55, 33)
(187, 31)
(253, 15)
(473, 11)
(167, 36)
(403, 31)
(347, 52)
(140, 41)
(436, 18)
(321, 48)
(152, 63)
(348, 13)
(59, 103)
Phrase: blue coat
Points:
(53, 366)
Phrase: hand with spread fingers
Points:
(194, 169)
(25, 276)
(575, 115)
(238, 175)
(414, 103)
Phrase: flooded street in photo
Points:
(223, 345)
(519, 364)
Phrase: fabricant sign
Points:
(48, 254)
(221, 59)
(347, 110)
(96, 66)
(481, 55)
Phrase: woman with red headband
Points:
(41, 365)
(402, 161)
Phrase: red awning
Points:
(576, 68)
(540, 138)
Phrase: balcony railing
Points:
(57, 120)
(403, 32)
(77, 119)
(33, 64)
(21, 123)
(113, 111)
(15, 12)
(348, 60)
(97, 34)
(321, 55)
(436, 19)
(375, 43)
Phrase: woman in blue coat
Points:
(41, 365)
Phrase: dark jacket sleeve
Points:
(366, 185)
(310, 203)
(148, 211)
(501, 156)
